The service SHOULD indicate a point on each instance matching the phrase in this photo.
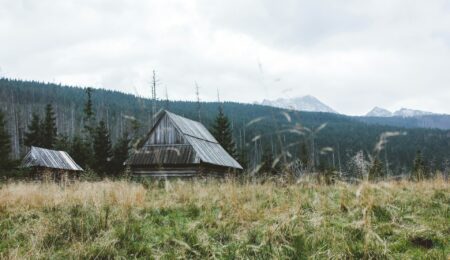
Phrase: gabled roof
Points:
(191, 128)
(206, 147)
(40, 157)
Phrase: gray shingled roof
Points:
(205, 146)
(40, 157)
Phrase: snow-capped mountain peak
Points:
(379, 112)
(305, 103)
(406, 112)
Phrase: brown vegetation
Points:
(208, 219)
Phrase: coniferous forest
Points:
(104, 124)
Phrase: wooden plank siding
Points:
(180, 147)
(165, 133)
(181, 171)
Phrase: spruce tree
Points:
(102, 149)
(267, 163)
(446, 171)
(376, 169)
(89, 115)
(304, 155)
(62, 143)
(80, 151)
(5, 144)
(223, 133)
(82, 148)
(242, 157)
(120, 154)
(34, 135)
(49, 132)
(88, 107)
(419, 170)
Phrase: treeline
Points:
(5, 145)
(264, 138)
(92, 148)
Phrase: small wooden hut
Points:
(52, 163)
(180, 147)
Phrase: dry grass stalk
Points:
(215, 219)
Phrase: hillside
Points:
(257, 129)
(422, 121)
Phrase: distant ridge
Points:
(305, 103)
(406, 112)
(403, 112)
(408, 118)
(379, 112)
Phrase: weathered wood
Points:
(50, 159)
(165, 133)
(180, 147)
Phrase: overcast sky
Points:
(352, 55)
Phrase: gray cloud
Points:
(351, 54)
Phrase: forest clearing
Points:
(225, 129)
(210, 219)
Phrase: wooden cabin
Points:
(180, 147)
(53, 164)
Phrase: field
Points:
(226, 220)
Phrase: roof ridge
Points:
(182, 117)
(47, 149)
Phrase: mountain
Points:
(406, 112)
(379, 112)
(424, 121)
(408, 118)
(305, 103)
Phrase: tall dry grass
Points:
(210, 219)
(25, 196)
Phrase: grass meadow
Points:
(225, 220)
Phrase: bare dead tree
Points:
(197, 93)
(155, 82)
(167, 102)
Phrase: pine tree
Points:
(88, 110)
(5, 144)
(49, 131)
(242, 157)
(120, 154)
(419, 170)
(376, 170)
(267, 163)
(223, 133)
(446, 166)
(34, 135)
(62, 143)
(80, 151)
(102, 149)
(88, 107)
(304, 155)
